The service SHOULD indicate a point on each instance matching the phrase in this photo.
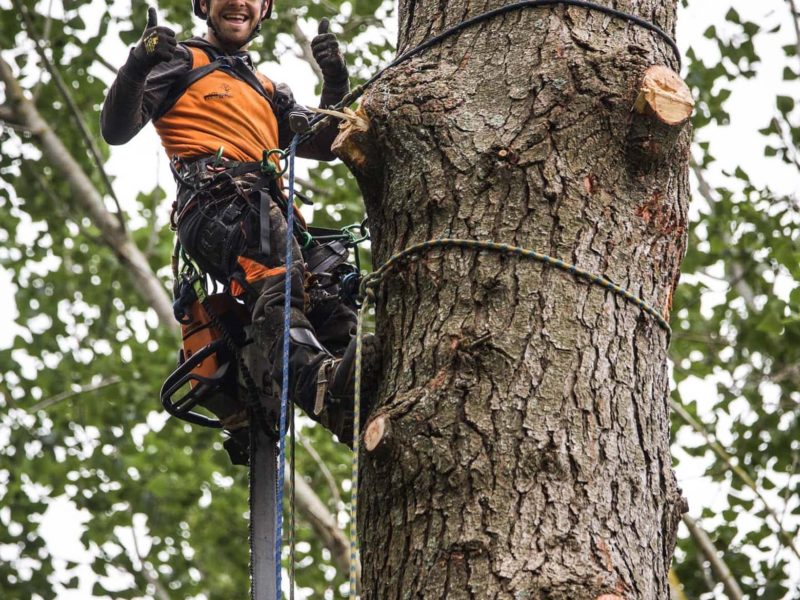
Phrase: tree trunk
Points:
(525, 449)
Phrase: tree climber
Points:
(215, 125)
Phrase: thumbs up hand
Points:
(157, 43)
(325, 48)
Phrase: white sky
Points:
(751, 106)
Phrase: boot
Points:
(319, 383)
(333, 389)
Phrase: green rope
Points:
(371, 281)
(374, 279)
(368, 298)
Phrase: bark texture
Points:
(528, 449)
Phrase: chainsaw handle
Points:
(183, 376)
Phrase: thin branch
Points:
(718, 566)
(324, 524)
(323, 468)
(6, 114)
(785, 133)
(84, 194)
(105, 63)
(736, 269)
(307, 185)
(305, 48)
(738, 470)
(796, 22)
(14, 126)
(84, 389)
(76, 114)
(152, 579)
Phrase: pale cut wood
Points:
(665, 96)
(659, 115)
(375, 433)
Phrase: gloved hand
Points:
(157, 43)
(325, 48)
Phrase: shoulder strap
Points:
(183, 82)
(213, 62)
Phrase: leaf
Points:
(732, 16)
(785, 104)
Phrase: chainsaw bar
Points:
(263, 487)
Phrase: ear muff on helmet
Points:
(198, 11)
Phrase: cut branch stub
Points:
(662, 108)
(357, 148)
(376, 433)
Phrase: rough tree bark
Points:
(525, 443)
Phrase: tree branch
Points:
(62, 88)
(323, 523)
(323, 468)
(739, 471)
(152, 579)
(106, 64)
(736, 270)
(305, 48)
(48, 402)
(6, 114)
(88, 198)
(718, 566)
(796, 22)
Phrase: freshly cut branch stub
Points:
(665, 96)
(658, 117)
(375, 432)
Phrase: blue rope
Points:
(287, 306)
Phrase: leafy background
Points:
(157, 511)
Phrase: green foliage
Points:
(735, 317)
(79, 380)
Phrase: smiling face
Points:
(233, 21)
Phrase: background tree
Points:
(86, 354)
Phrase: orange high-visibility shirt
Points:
(219, 110)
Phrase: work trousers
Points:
(220, 227)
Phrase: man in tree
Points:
(218, 118)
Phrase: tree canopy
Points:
(162, 511)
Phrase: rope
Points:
(287, 305)
(371, 281)
(292, 512)
(374, 279)
(318, 121)
(356, 447)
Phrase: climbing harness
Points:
(233, 64)
(213, 326)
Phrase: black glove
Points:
(325, 48)
(157, 43)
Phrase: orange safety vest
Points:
(219, 110)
